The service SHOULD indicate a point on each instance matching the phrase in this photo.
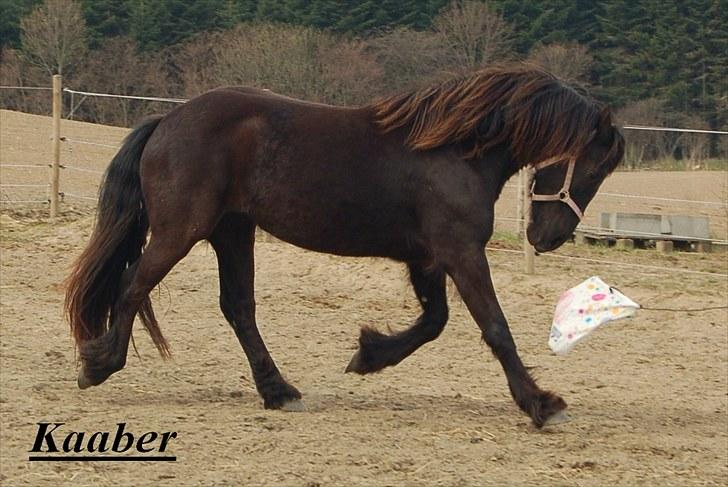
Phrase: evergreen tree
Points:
(674, 51)
(11, 11)
(104, 19)
(274, 11)
(159, 23)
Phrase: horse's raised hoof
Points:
(293, 406)
(359, 364)
(355, 364)
(374, 353)
(84, 381)
(558, 418)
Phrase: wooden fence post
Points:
(56, 163)
(519, 206)
(528, 250)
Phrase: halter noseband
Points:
(563, 194)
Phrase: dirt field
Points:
(648, 396)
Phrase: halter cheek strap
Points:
(563, 194)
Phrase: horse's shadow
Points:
(248, 400)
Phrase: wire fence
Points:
(673, 129)
(127, 97)
(664, 269)
(38, 88)
(72, 148)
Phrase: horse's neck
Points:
(496, 165)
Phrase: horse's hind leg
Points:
(105, 355)
(377, 350)
(233, 241)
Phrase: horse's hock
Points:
(665, 232)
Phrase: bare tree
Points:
(53, 36)
(297, 61)
(642, 145)
(16, 71)
(723, 147)
(350, 74)
(695, 146)
(116, 68)
(409, 58)
(474, 34)
(570, 62)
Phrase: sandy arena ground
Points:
(648, 396)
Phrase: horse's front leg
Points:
(377, 350)
(471, 275)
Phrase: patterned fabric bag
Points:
(584, 308)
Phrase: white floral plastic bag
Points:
(584, 308)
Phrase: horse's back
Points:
(318, 176)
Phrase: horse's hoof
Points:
(558, 417)
(355, 364)
(293, 406)
(83, 381)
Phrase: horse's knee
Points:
(498, 337)
(237, 312)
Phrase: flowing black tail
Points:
(117, 242)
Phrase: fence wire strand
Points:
(23, 185)
(669, 200)
(79, 196)
(82, 169)
(6, 87)
(128, 97)
(673, 129)
(87, 142)
(24, 166)
(13, 202)
(507, 187)
(613, 263)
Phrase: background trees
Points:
(53, 36)
(473, 34)
(670, 56)
(571, 62)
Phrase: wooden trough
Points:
(640, 230)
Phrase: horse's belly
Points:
(338, 231)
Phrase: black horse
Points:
(413, 177)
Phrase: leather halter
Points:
(563, 194)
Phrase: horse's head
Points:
(565, 184)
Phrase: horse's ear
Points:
(605, 128)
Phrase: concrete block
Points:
(651, 224)
(704, 247)
(665, 246)
(625, 243)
